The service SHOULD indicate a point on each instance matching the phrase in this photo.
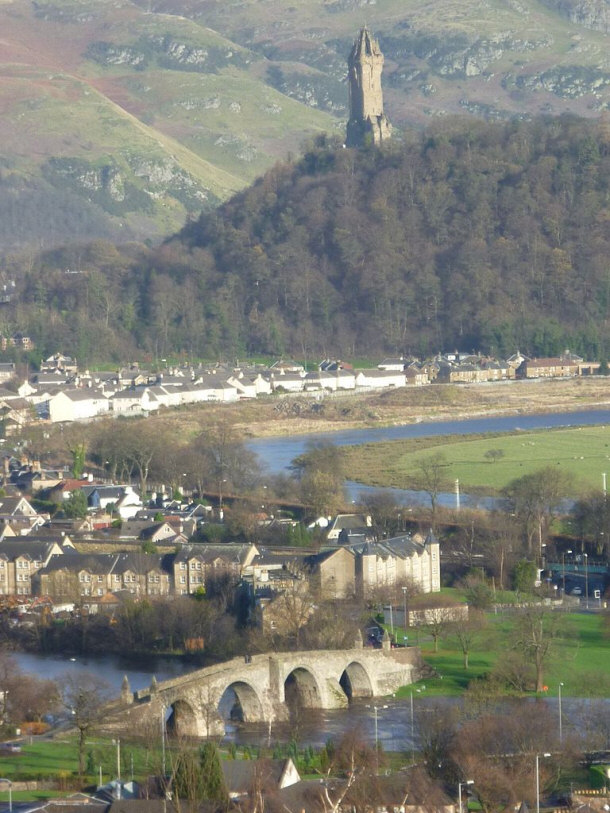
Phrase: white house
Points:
(77, 405)
(134, 401)
(380, 378)
(393, 364)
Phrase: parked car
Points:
(10, 747)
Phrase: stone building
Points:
(367, 122)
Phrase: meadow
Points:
(582, 452)
(580, 659)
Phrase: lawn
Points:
(583, 452)
(580, 661)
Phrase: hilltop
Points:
(119, 120)
(469, 235)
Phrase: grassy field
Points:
(583, 452)
(580, 660)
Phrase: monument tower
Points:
(367, 121)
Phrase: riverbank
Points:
(436, 402)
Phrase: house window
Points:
(100, 578)
(182, 565)
(182, 579)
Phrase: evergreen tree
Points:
(213, 783)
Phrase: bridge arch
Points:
(301, 689)
(355, 681)
(182, 720)
(240, 701)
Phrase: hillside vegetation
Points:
(472, 235)
(120, 119)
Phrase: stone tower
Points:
(367, 122)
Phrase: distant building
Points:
(367, 122)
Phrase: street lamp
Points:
(560, 717)
(586, 555)
(563, 568)
(413, 727)
(117, 742)
(404, 595)
(375, 711)
(538, 779)
(460, 786)
(221, 512)
(10, 793)
(163, 710)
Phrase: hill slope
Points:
(241, 84)
(116, 123)
(473, 235)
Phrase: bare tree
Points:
(468, 631)
(432, 475)
(438, 622)
(355, 761)
(537, 629)
(84, 695)
(534, 498)
(496, 749)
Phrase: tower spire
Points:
(367, 121)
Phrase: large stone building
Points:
(367, 122)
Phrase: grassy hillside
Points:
(118, 124)
(109, 87)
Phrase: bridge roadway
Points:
(263, 688)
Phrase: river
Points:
(276, 454)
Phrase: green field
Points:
(580, 659)
(583, 452)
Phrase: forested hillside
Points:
(472, 235)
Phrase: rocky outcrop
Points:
(568, 82)
(594, 14)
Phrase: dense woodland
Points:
(472, 235)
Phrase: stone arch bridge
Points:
(263, 688)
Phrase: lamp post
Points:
(563, 568)
(221, 512)
(460, 786)
(117, 742)
(538, 779)
(586, 556)
(10, 793)
(413, 727)
(375, 712)
(163, 744)
(404, 595)
(560, 716)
